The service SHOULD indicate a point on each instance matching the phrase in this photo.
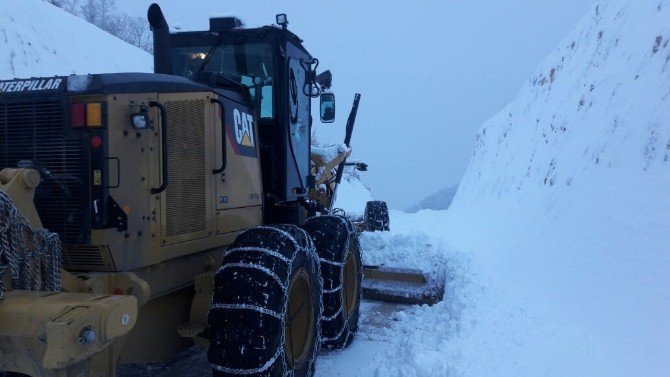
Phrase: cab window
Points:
(248, 64)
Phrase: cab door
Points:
(299, 124)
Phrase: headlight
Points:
(282, 20)
(140, 121)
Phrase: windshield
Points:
(247, 64)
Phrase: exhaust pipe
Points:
(161, 30)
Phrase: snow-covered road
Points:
(401, 340)
(471, 332)
(485, 326)
(393, 340)
(514, 305)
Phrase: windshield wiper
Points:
(208, 57)
(218, 79)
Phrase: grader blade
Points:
(400, 285)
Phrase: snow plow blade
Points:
(402, 285)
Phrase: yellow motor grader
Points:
(142, 212)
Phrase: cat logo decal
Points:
(240, 131)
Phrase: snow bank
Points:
(440, 200)
(352, 195)
(413, 250)
(412, 341)
(422, 340)
(564, 213)
(39, 39)
(566, 202)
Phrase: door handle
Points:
(223, 137)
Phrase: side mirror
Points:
(327, 107)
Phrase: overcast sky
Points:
(430, 72)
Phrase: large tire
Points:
(264, 318)
(376, 217)
(337, 244)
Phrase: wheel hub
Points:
(350, 283)
(299, 320)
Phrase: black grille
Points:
(35, 131)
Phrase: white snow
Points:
(39, 39)
(420, 340)
(328, 153)
(352, 194)
(413, 249)
(561, 220)
(569, 192)
(556, 244)
(439, 200)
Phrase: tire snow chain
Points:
(310, 249)
(254, 267)
(27, 260)
(351, 230)
(260, 369)
(333, 290)
(338, 264)
(262, 250)
(247, 307)
(332, 317)
(346, 326)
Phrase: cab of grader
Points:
(184, 203)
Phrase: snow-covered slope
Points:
(440, 200)
(39, 39)
(564, 216)
(566, 201)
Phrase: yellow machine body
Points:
(144, 273)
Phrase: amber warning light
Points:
(86, 115)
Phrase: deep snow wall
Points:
(566, 201)
(437, 201)
(40, 39)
